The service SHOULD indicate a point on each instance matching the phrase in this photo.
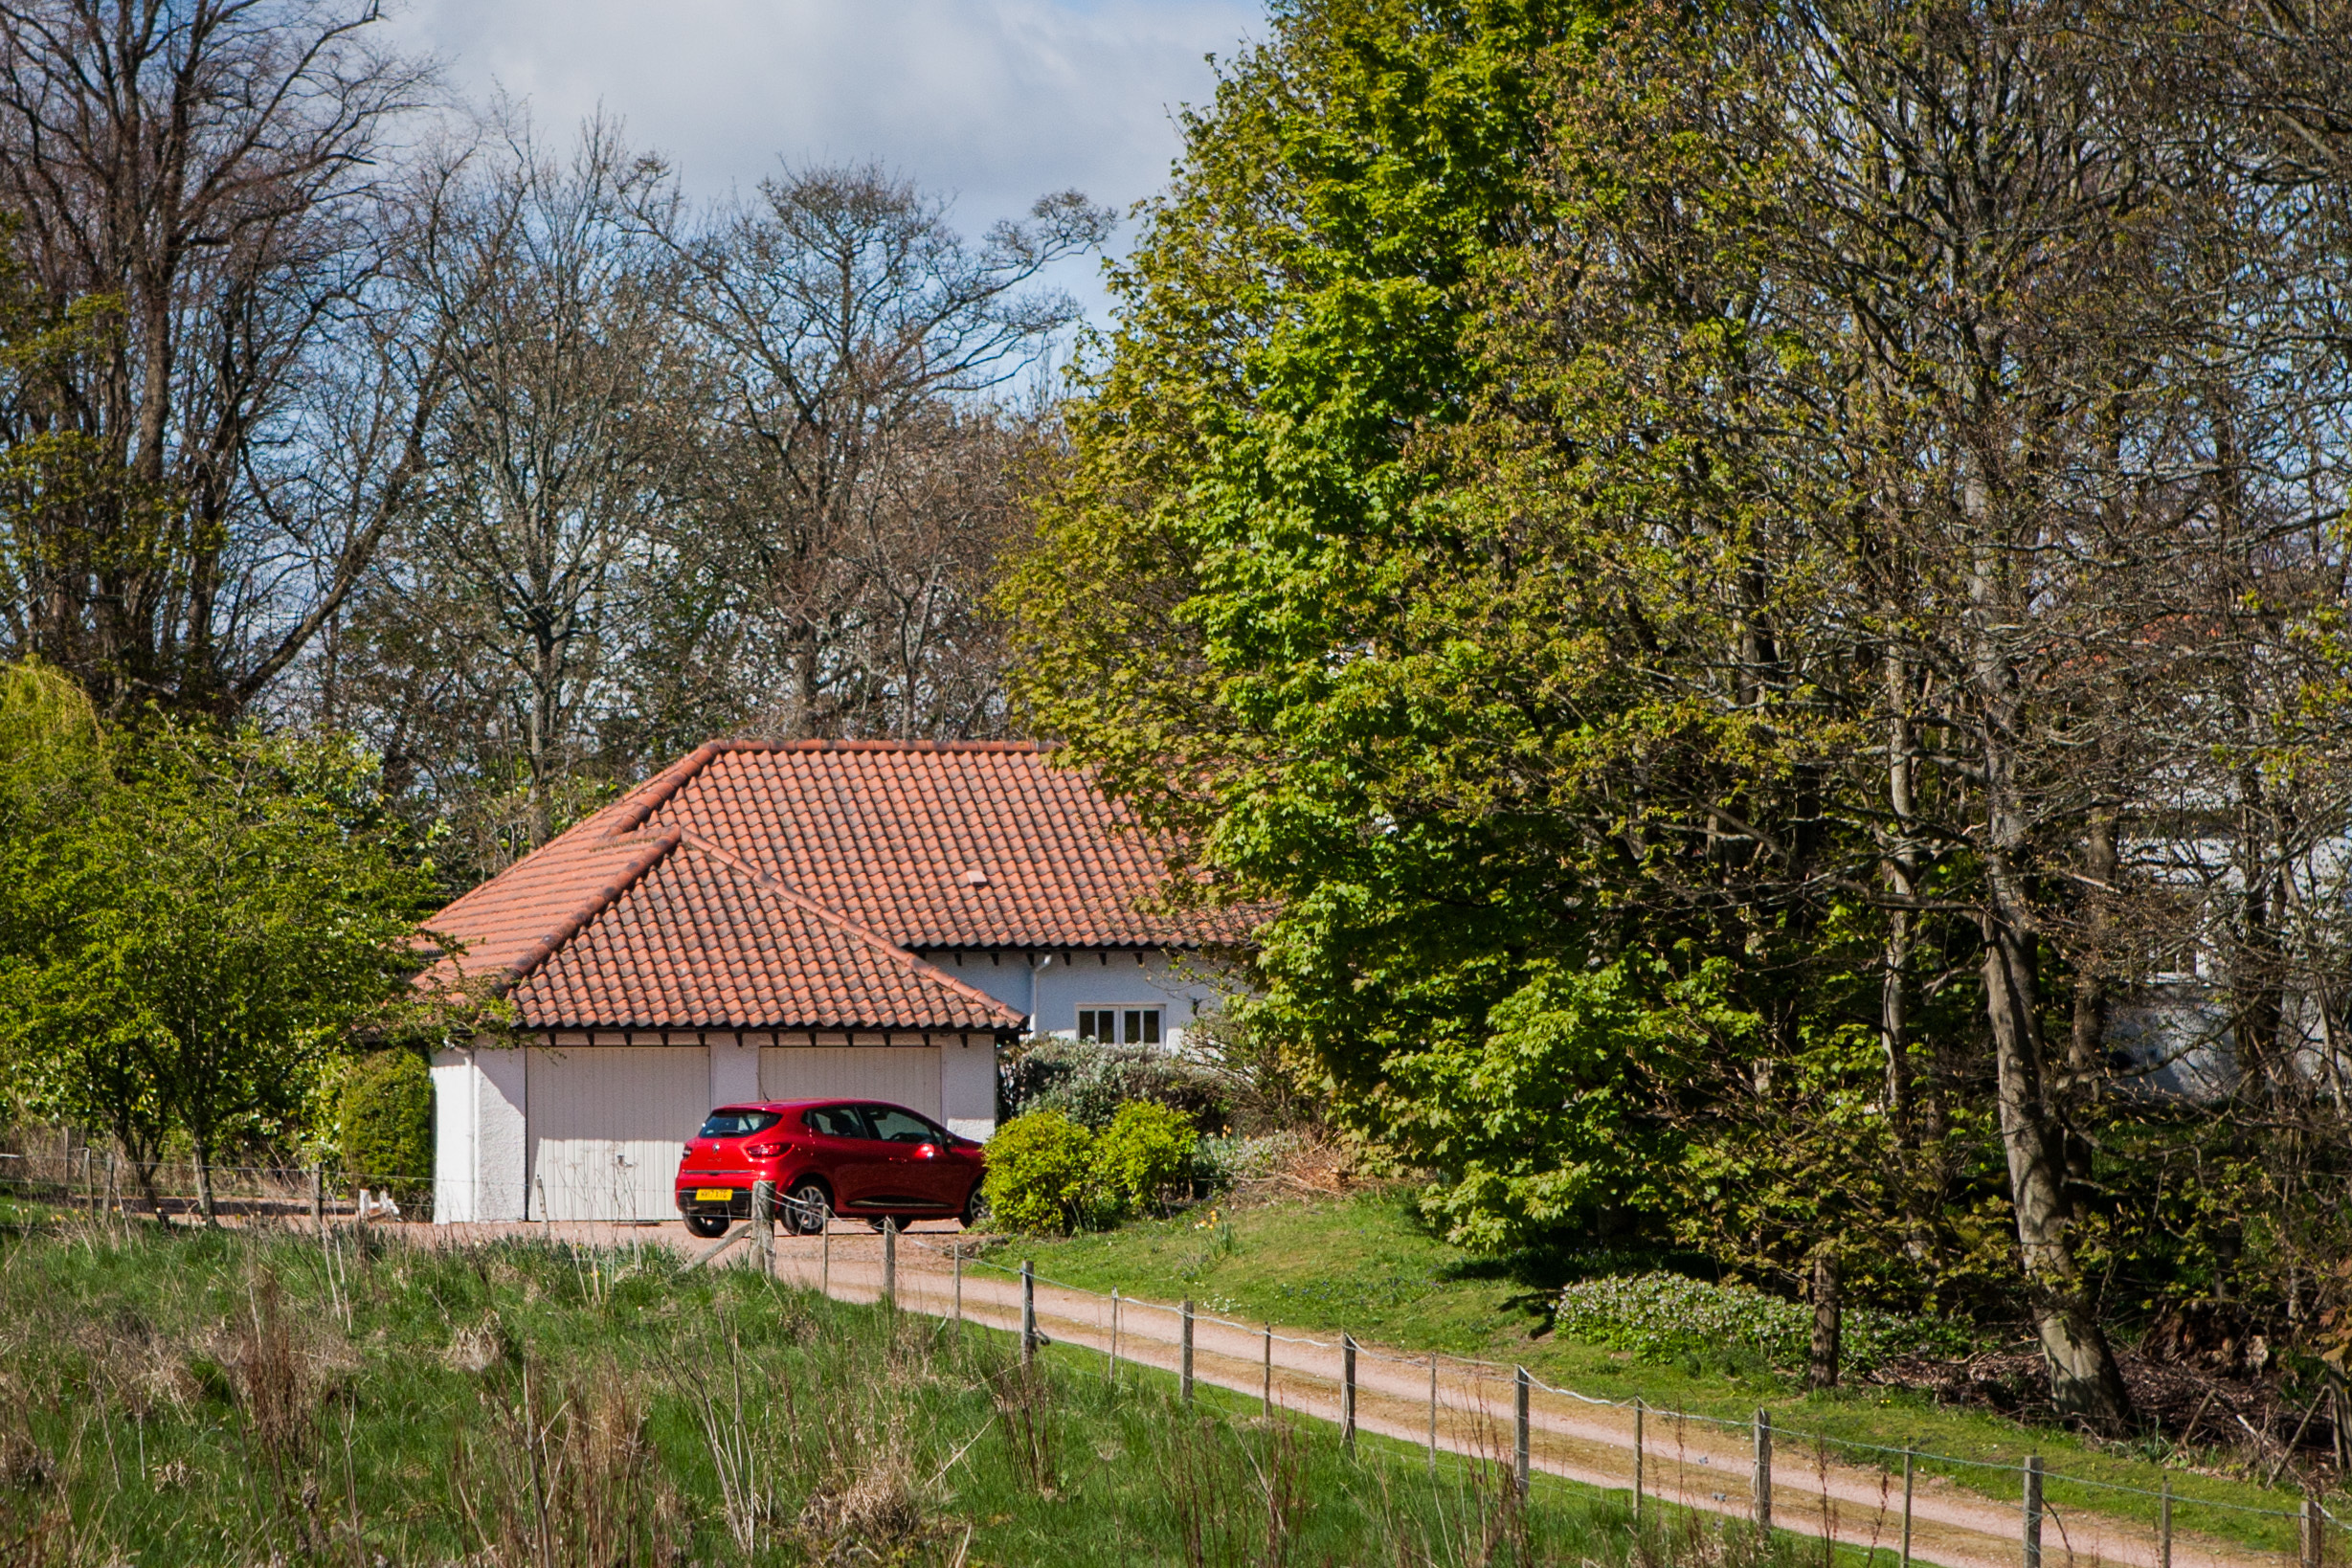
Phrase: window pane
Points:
(1134, 1026)
(736, 1124)
(1151, 1026)
(834, 1122)
(892, 1124)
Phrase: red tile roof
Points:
(779, 887)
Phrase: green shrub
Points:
(387, 1125)
(1146, 1150)
(1040, 1168)
(1665, 1318)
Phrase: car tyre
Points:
(976, 1209)
(809, 1211)
(709, 1226)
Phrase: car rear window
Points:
(735, 1124)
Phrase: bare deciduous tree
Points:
(223, 173)
(846, 330)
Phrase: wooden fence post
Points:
(1638, 1413)
(889, 1264)
(2163, 1525)
(2033, 1511)
(1433, 1371)
(955, 1250)
(1112, 1372)
(1519, 1455)
(1761, 1481)
(1265, 1384)
(1907, 1457)
(763, 1225)
(318, 1199)
(1185, 1312)
(1347, 1391)
(2314, 1533)
(1028, 1311)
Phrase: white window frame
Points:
(1119, 1010)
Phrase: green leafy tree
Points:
(217, 926)
(1224, 612)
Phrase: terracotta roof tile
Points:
(754, 885)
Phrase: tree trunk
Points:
(1893, 996)
(143, 1170)
(2084, 1380)
(1829, 1320)
(2086, 1056)
(204, 1187)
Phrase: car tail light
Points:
(764, 1151)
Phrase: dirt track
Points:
(1701, 1464)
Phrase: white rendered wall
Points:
(1002, 974)
(1182, 987)
(968, 1087)
(452, 1136)
(480, 1145)
(1050, 986)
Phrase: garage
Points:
(903, 1075)
(606, 1127)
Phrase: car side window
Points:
(834, 1122)
(892, 1124)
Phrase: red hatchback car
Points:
(858, 1158)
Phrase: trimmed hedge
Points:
(386, 1116)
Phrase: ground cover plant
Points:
(191, 1396)
(1369, 1264)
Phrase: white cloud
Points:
(994, 102)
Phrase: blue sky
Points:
(993, 102)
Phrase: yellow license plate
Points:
(714, 1195)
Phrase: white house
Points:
(773, 921)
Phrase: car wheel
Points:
(976, 1209)
(808, 1211)
(711, 1225)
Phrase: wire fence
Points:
(1661, 1456)
(1841, 1491)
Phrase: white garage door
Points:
(606, 1125)
(904, 1075)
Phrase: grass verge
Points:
(192, 1397)
(1366, 1265)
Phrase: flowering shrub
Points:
(1668, 1317)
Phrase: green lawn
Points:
(179, 1396)
(1365, 1266)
